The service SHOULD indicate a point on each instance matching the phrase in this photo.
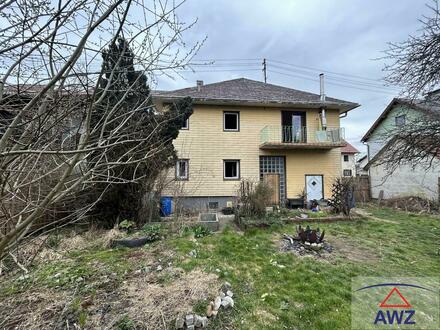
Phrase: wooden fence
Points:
(362, 192)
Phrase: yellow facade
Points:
(206, 145)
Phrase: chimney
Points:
(321, 87)
(199, 85)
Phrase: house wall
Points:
(384, 131)
(405, 181)
(205, 144)
(350, 165)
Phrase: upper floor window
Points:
(400, 120)
(345, 158)
(182, 169)
(185, 124)
(231, 169)
(231, 121)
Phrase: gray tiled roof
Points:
(251, 91)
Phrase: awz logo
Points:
(395, 316)
(400, 312)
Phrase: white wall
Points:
(350, 165)
(406, 181)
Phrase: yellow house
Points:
(246, 129)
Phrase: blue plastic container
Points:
(165, 206)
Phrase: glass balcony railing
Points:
(290, 134)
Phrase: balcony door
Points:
(293, 126)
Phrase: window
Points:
(231, 169)
(345, 158)
(400, 120)
(185, 124)
(231, 121)
(347, 173)
(182, 169)
(212, 205)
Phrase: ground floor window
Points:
(182, 169)
(347, 173)
(231, 169)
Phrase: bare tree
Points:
(51, 149)
(415, 65)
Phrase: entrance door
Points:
(273, 181)
(314, 187)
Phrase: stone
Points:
(304, 216)
(210, 309)
(204, 322)
(217, 303)
(180, 323)
(226, 286)
(222, 295)
(190, 327)
(197, 321)
(189, 320)
(159, 268)
(214, 313)
(229, 293)
(227, 302)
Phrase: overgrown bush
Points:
(126, 225)
(342, 200)
(152, 232)
(253, 198)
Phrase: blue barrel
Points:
(165, 206)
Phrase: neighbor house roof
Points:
(425, 105)
(349, 149)
(244, 91)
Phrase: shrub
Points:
(253, 198)
(126, 225)
(198, 231)
(152, 232)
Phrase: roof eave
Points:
(342, 107)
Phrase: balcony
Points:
(289, 137)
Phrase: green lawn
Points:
(310, 293)
(307, 293)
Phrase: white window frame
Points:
(351, 172)
(237, 114)
(186, 176)
(237, 162)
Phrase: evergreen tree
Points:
(124, 90)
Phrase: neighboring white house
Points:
(348, 160)
(361, 163)
(406, 180)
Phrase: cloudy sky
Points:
(299, 39)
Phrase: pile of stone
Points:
(306, 248)
(195, 321)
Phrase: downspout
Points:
(322, 99)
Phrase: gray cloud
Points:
(343, 36)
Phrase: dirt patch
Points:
(32, 310)
(368, 215)
(352, 251)
(156, 304)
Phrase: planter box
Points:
(209, 220)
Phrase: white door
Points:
(314, 187)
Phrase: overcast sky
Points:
(344, 36)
